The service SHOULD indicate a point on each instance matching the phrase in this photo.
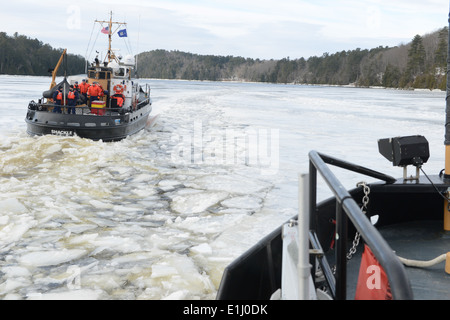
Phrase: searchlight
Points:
(404, 151)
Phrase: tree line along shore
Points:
(421, 63)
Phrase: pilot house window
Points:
(100, 75)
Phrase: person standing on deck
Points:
(72, 100)
(94, 92)
(58, 98)
(84, 86)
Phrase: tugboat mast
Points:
(111, 55)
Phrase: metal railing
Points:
(347, 208)
(84, 109)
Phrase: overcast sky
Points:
(247, 28)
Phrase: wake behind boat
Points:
(106, 104)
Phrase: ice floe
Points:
(50, 257)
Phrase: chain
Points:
(365, 202)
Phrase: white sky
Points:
(249, 28)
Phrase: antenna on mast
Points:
(137, 54)
(110, 37)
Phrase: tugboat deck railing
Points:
(347, 208)
(84, 109)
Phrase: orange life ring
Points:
(118, 88)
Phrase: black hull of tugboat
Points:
(109, 127)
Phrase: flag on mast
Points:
(105, 30)
(123, 33)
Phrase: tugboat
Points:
(386, 240)
(112, 108)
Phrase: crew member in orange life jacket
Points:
(118, 100)
(58, 98)
(84, 86)
(72, 98)
(94, 92)
(76, 87)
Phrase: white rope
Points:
(423, 264)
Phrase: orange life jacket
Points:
(71, 95)
(119, 100)
(84, 87)
(92, 91)
(59, 96)
(95, 90)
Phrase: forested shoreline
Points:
(418, 64)
(422, 63)
(20, 55)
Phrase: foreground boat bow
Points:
(403, 209)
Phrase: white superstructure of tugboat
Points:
(122, 107)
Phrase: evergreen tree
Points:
(416, 60)
(440, 58)
(391, 77)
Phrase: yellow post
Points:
(446, 214)
(447, 159)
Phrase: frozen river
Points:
(160, 214)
